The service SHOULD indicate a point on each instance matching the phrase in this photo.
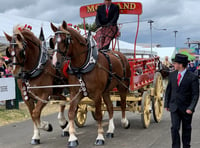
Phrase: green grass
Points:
(10, 116)
(14, 115)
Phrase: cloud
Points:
(17, 4)
(181, 15)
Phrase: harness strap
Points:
(124, 78)
(110, 69)
(123, 65)
(91, 60)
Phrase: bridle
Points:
(22, 53)
(67, 42)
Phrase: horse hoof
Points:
(65, 134)
(72, 144)
(64, 126)
(128, 126)
(50, 129)
(99, 142)
(35, 141)
(109, 135)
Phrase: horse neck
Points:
(79, 55)
(78, 49)
(32, 56)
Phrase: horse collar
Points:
(89, 64)
(38, 69)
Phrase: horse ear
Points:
(53, 27)
(41, 36)
(8, 37)
(64, 25)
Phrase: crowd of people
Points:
(192, 66)
(5, 71)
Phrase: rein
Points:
(113, 75)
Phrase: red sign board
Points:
(125, 8)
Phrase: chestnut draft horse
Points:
(97, 72)
(33, 68)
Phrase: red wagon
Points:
(146, 84)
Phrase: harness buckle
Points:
(83, 87)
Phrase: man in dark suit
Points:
(181, 98)
(106, 18)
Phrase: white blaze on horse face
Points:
(55, 53)
(111, 126)
(14, 66)
(12, 53)
(54, 61)
(58, 39)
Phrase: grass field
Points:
(12, 116)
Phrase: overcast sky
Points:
(180, 15)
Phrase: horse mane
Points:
(25, 33)
(76, 34)
(17, 30)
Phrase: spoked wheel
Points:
(157, 101)
(81, 115)
(146, 109)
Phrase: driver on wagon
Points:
(106, 21)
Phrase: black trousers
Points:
(178, 118)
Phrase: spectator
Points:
(192, 68)
(166, 62)
(2, 69)
(2, 73)
(197, 72)
(8, 71)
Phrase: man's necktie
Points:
(179, 78)
(107, 10)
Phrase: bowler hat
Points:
(180, 58)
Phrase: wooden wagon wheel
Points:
(81, 115)
(146, 109)
(157, 101)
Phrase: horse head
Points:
(66, 43)
(23, 49)
(60, 43)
